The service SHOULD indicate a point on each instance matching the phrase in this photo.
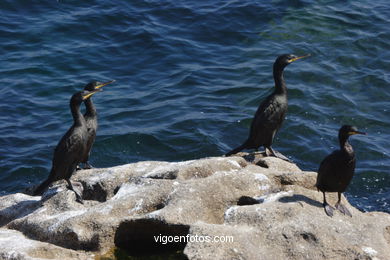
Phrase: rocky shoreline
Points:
(269, 207)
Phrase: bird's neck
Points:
(90, 108)
(280, 85)
(346, 146)
(78, 118)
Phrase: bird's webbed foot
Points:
(276, 154)
(87, 165)
(79, 199)
(343, 209)
(77, 191)
(328, 209)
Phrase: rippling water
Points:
(189, 77)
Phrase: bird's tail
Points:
(42, 187)
(238, 149)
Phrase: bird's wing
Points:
(269, 115)
(68, 143)
(328, 167)
(67, 151)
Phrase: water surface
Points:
(189, 77)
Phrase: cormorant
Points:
(91, 120)
(271, 112)
(337, 169)
(67, 154)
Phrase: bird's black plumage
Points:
(337, 169)
(271, 112)
(68, 152)
(91, 120)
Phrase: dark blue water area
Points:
(189, 77)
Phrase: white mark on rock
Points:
(138, 206)
(260, 211)
(370, 251)
(52, 191)
(14, 244)
(230, 212)
(108, 174)
(264, 187)
(22, 197)
(126, 190)
(225, 173)
(235, 163)
(162, 169)
(154, 214)
(142, 167)
(274, 196)
(62, 217)
(106, 209)
(261, 177)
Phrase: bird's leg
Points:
(277, 154)
(328, 208)
(87, 165)
(78, 196)
(341, 207)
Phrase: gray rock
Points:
(15, 246)
(269, 207)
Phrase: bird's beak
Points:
(356, 133)
(299, 57)
(104, 84)
(90, 93)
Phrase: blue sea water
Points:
(189, 77)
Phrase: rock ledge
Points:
(264, 208)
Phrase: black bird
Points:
(271, 112)
(337, 169)
(69, 151)
(91, 120)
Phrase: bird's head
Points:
(285, 59)
(348, 130)
(80, 96)
(94, 85)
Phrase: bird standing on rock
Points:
(271, 112)
(337, 169)
(69, 151)
(91, 120)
